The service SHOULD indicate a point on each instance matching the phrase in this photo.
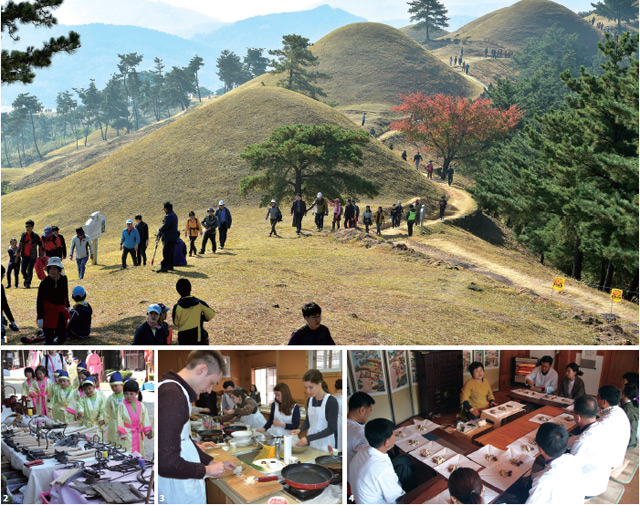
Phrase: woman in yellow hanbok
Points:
(90, 406)
(133, 419)
(61, 398)
(111, 409)
(40, 392)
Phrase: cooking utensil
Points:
(331, 462)
(307, 476)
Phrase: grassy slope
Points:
(511, 26)
(419, 35)
(372, 63)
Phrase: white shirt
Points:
(373, 479)
(561, 481)
(618, 429)
(226, 403)
(549, 382)
(355, 439)
(591, 449)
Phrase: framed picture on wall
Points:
(398, 371)
(368, 372)
(414, 370)
(491, 359)
(477, 356)
(227, 365)
(466, 360)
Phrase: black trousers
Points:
(404, 470)
(27, 270)
(297, 219)
(192, 245)
(208, 235)
(274, 222)
(132, 252)
(60, 332)
(336, 222)
(320, 220)
(168, 248)
(15, 266)
(222, 228)
(410, 227)
(141, 255)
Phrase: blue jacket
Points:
(218, 215)
(130, 240)
(169, 227)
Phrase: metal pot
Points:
(307, 476)
(210, 435)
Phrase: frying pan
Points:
(307, 476)
(331, 462)
(230, 429)
(209, 435)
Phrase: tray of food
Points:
(427, 451)
(458, 461)
(487, 455)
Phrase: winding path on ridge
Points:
(575, 294)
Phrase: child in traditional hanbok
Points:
(26, 385)
(133, 419)
(90, 406)
(40, 392)
(111, 409)
(61, 398)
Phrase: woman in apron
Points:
(133, 422)
(284, 415)
(322, 414)
(246, 410)
(40, 392)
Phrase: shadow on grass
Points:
(124, 328)
(110, 267)
(482, 226)
(183, 273)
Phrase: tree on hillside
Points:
(293, 60)
(254, 63)
(66, 107)
(4, 132)
(29, 104)
(230, 70)
(17, 65)
(91, 111)
(196, 64)
(454, 128)
(306, 159)
(617, 10)
(179, 83)
(429, 14)
(129, 75)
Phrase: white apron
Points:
(183, 490)
(339, 398)
(255, 420)
(318, 422)
(278, 431)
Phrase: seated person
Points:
(465, 486)
(373, 478)
(560, 481)
(615, 421)
(631, 378)
(590, 446)
(476, 393)
(572, 386)
(543, 378)
(630, 407)
(360, 406)
(79, 325)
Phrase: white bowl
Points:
(240, 435)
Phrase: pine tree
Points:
(196, 64)
(254, 63)
(617, 10)
(18, 65)
(230, 70)
(29, 104)
(430, 14)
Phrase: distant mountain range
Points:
(101, 44)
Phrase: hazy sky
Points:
(372, 10)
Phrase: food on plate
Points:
(527, 448)
(422, 427)
(425, 452)
(438, 460)
(452, 468)
(543, 419)
(516, 461)
(400, 434)
(502, 409)
(413, 443)
(505, 473)
(490, 457)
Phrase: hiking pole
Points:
(155, 250)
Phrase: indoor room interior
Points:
(420, 392)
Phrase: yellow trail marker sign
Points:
(616, 295)
(558, 283)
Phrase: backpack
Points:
(41, 264)
(279, 215)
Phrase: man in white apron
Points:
(182, 466)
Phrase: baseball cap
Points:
(154, 307)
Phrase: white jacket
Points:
(373, 479)
(591, 449)
(549, 382)
(561, 482)
(355, 440)
(618, 428)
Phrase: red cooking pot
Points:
(307, 476)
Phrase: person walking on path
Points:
(50, 243)
(411, 219)
(14, 262)
(143, 231)
(129, 244)
(404, 155)
(298, 211)
(62, 250)
(224, 222)
(52, 305)
(82, 247)
(349, 214)
(466, 71)
(430, 170)
(192, 230)
(367, 218)
(337, 214)
(273, 213)
(364, 118)
(322, 209)
(443, 206)
(399, 210)
(416, 160)
(169, 234)
(30, 247)
(189, 315)
(356, 211)
(209, 223)
(379, 219)
(450, 175)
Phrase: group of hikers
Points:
(454, 61)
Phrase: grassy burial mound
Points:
(372, 63)
(419, 35)
(194, 162)
(511, 26)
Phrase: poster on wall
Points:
(414, 370)
(466, 360)
(491, 359)
(398, 372)
(368, 372)
(477, 356)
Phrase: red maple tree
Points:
(453, 127)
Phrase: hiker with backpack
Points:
(209, 223)
(52, 306)
(192, 230)
(430, 170)
(416, 160)
(443, 206)
(349, 214)
(322, 209)
(399, 211)
(298, 211)
(62, 250)
(50, 243)
(273, 213)
(379, 220)
(81, 244)
(189, 315)
(30, 247)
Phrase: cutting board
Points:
(249, 493)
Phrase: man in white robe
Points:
(543, 378)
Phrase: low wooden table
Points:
(535, 401)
